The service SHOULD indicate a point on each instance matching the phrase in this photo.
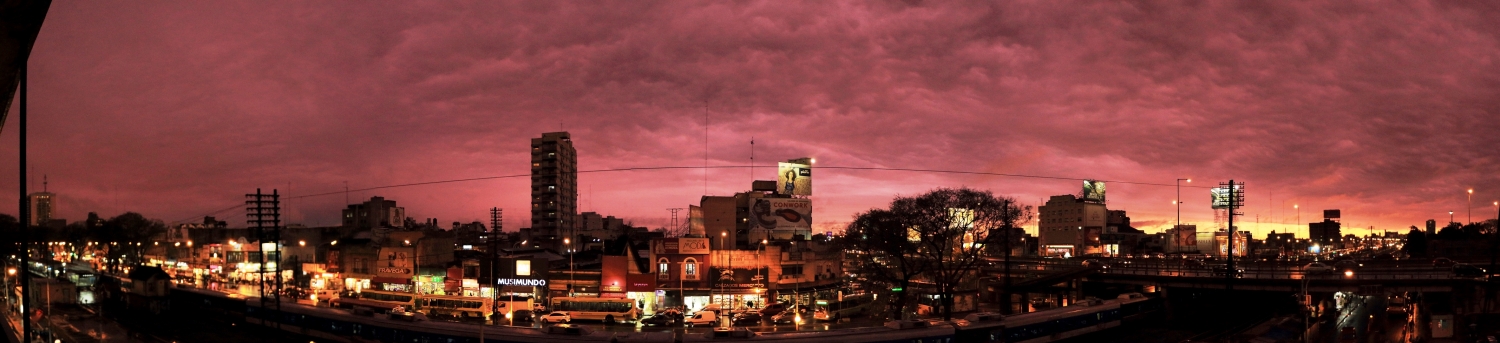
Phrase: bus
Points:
(621, 310)
(457, 307)
(851, 306)
(376, 301)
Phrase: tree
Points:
(1416, 243)
(878, 244)
(939, 237)
(134, 231)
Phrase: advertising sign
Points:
(1221, 196)
(1093, 190)
(521, 282)
(394, 262)
(793, 178)
(740, 279)
(692, 246)
(782, 214)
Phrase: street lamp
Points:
(1178, 202)
(1450, 217)
(1471, 205)
(569, 244)
(1299, 212)
(722, 292)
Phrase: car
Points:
(1224, 271)
(1467, 270)
(772, 309)
(1317, 268)
(702, 318)
(1442, 262)
(520, 317)
(1347, 265)
(820, 314)
(556, 317)
(1092, 263)
(787, 317)
(662, 319)
(747, 319)
(568, 329)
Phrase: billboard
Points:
(793, 178)
(395, 262)
(1221, 196)
(1093, 190)
(782, 214)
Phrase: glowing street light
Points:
(1178, 202)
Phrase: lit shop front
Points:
(739, 287)
(520, 278)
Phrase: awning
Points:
(382, 279)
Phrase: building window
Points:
(791, 271)
(523, 268)
(663, 270)
(690, 269)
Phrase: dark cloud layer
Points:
(1385, 110)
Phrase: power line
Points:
(346, 190)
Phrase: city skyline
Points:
(175, 111)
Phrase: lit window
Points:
(690, 269)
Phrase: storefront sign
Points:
(683, 246)
(394, 287)
(393, 270)
(740, 279)
(521, 282)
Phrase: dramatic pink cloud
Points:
(1385, 110)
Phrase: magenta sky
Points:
(1387, 111)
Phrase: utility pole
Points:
(263, 214)
(25, 219)
(1236, 198)
(1007, 227)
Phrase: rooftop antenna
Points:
(752, 159)
(44, 183)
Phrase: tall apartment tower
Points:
(41, 208)
(554, 183)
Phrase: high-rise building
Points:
(41, 208)
(376, 213)
(1071, 225)
(554, 183)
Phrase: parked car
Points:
(702, 318)
(1467, 270)
(747, 319)
(1317, 268)
(664, 318)
(557, 317)
(772, 309)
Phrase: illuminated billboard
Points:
(395, 262)
(1221, 196)
(793, 178)
(782, 214)
(1093, 190)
